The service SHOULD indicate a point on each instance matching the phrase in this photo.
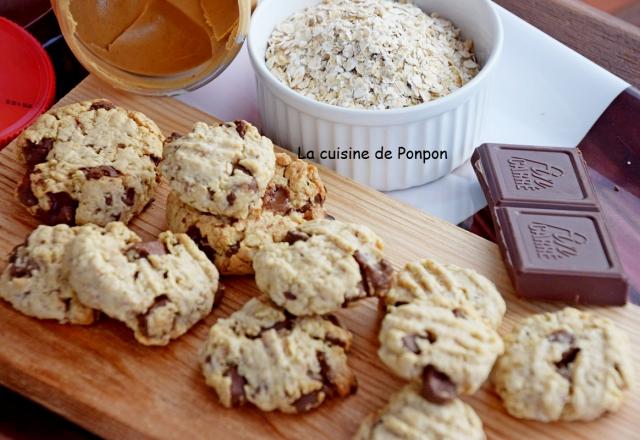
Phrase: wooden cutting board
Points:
(102, 379)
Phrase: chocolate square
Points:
(551, 178)
(560, 255)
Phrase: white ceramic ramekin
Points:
(451, 124)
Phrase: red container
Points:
(27, 80)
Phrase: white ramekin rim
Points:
(383, 117)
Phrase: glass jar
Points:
(154, 47)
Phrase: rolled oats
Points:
(372, 54)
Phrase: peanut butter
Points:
(153, 38)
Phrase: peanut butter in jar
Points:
(155, 47)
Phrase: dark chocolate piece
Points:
(561, 255)
(534, 177)
(549, 225)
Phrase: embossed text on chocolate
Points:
(555, 243)
(531, 175)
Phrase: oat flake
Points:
(371, 54)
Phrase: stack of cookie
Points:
(440, 333)
(287, 351)
(93, 164)
(252, 210)
(232, 194)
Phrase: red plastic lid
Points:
(27, 80)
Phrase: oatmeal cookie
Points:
(90, 162)
(220, 169)
(33, 281)
(296, 194)
(408, 416)
(321, 266)
(569, 365)
(427, 278)
(446, 346)
(263, 356)
(159, 289)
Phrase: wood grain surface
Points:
(102, 379)
(606, 40)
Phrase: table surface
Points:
(85, 373)
(17, 413)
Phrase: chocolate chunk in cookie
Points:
(276, 199)
(376, 273)
(37, 152)
(436, 386)
(62, 209)
(102, 104)
(94, 173)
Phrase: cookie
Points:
(408, 416)
(159, 289)
(90, 162)
(220, 169)
(426, 278)
(263, 356)
(321, 266)
(296, 194)
(448, 347)
(33, 281)
(569, 365)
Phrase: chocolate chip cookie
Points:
(409, 416)
(90, 162)
(568, 365)
(448, 347)
(159, 289)
(321, 266)
(262, 355)
(294, 195)
(220, 169)
(33, 281)
(427, 278)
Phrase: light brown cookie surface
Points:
(220, 169)
(409, 416)
(262, 356)
(449, 348)
(426, 279)
(35, 283)
(322, 266)
(568, 365)
(90, 162)
(159, 289)
(295, 195)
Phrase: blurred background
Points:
(628, 10)
(36, 16)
